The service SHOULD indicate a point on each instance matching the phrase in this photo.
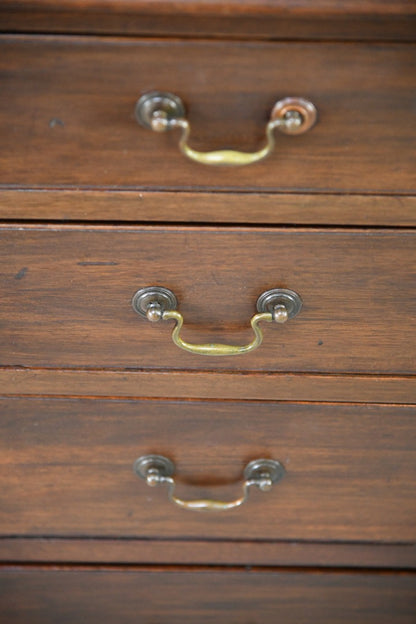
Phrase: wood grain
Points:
(208, 385)
(239, 7)
(208, 552)
(170, 597)
(194, 207)
(67, 104)
(67, 294)
(323, 19)
(66, 469)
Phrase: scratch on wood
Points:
(97, 263)
(56, 122)
(20, 275)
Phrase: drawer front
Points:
(67, 114)
(45, 596)
(67, 295)
(67, 469)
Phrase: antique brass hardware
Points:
(158, 303)
(160, 111)
(158, 470)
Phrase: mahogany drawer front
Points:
(45, 596)
(67, 469)
(67, 113)
(67, 292)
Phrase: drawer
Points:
(67, 114)
(46, 596)
(67, 469)
(67, 294)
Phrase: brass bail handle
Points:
(160, 111)
(157, 303)
(159, 470)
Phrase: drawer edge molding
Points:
(208, 385)
(207, 552)
(68, 204)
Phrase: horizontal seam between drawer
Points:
(198, 371)
(206, 540)
(196, 399)
(204, 568)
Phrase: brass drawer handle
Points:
(160, 111)
(158, 470)
(157, 303)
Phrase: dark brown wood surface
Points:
(67, 114)
(67, 469)
(67, 294)
(194, 207)
(127, 596)
(322, 19)
(240, 7)
(207, 552)
(208, 385)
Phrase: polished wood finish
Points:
(240, 7)
(208, 385)
(67, 104)
(67, 294)
(132, 595)
(93, 207)
(194, 207)
(322, 19)
(208, 552)
(66, 469)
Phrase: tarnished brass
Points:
(283, 303)
(161, 111)
(291, 109)
(218, 349)
(158, 303)
(151, 298)
(158, 470)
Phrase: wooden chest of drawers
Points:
(95, 207)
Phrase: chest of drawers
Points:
(94, 208)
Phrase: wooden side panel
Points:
(67, 297)
(45, 596)
(67, 469)
(67, 114)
